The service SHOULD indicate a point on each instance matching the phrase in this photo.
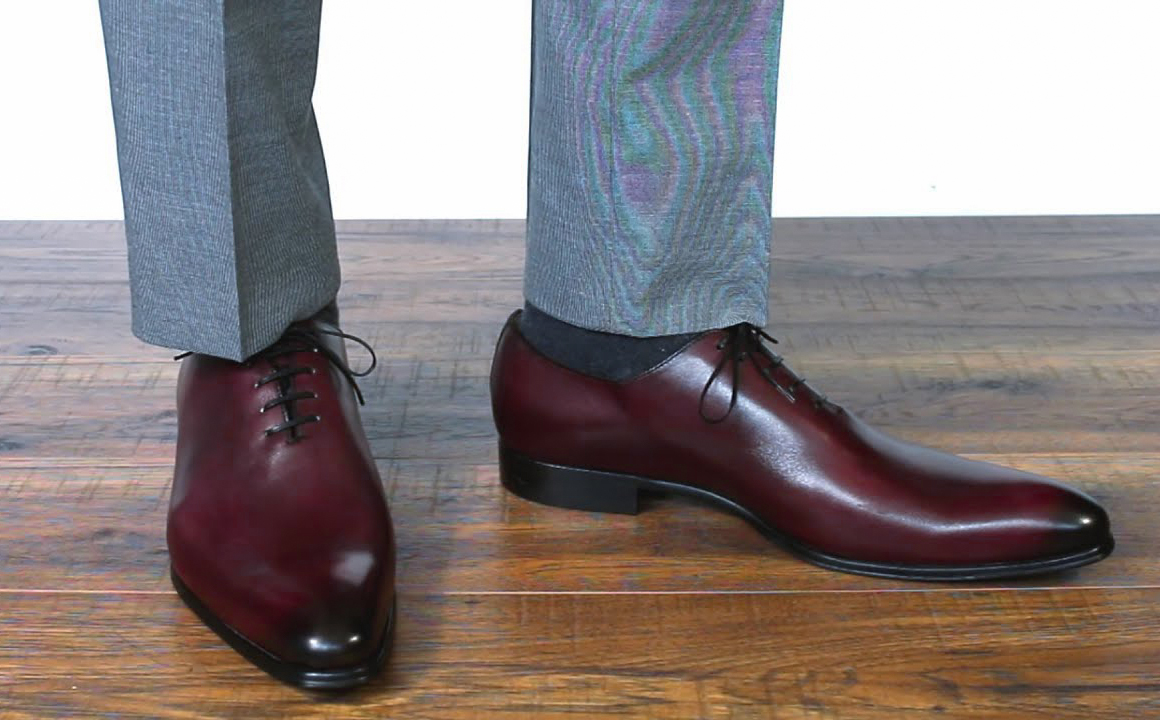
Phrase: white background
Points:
(887, 107)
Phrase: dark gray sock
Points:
(603, 355)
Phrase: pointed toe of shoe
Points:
(336, 641)
(337, 647)
(1080, 526)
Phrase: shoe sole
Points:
(599, 491)
(295, 674)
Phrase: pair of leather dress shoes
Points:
(281, 539)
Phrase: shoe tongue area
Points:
(298, 338)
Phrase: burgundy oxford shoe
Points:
(279, 532)
(724, 420)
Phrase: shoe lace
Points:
(744, 340)
(298, 339)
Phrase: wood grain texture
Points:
(1034, 654)
(1032, 342)
(458, 529)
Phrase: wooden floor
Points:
(1032, 342)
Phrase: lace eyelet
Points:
(300, 339)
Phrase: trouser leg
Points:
(650, 162)
(227, 205)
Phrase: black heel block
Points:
(568, 487)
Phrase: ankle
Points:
(605, 355)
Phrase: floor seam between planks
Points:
(620, 593)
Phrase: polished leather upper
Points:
(286, 539)
(802, 465)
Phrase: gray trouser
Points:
(650, 165)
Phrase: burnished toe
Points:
(336, 640)
(1080, 525)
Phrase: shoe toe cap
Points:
(334, 643)
(1080, 525)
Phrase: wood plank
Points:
(989, 401)
(78, 526)
(1050, 654)
(880, 283)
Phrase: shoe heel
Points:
(567, 487)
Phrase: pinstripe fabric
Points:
(651, 162)
(227, 208)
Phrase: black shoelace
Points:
(298, 339)
(742, 341)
